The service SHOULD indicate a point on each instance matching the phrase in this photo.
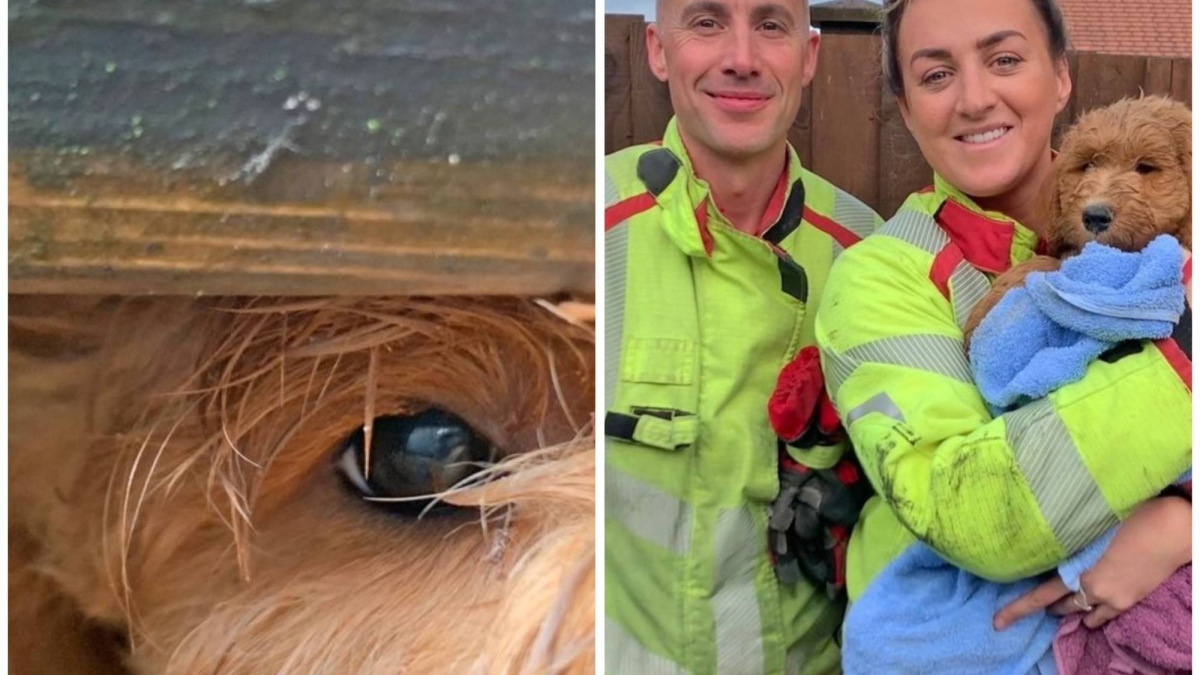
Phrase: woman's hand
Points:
(1149, 546)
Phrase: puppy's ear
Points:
(1050, 201)
(1179, 122)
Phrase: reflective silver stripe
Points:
(795, 658)
(738, 542)
(646, 511)
(616, 248)
(967, 287)
(933, 353)
(612, 194)
(917, 229)
(853, 214)
(624, 655)
(879, 403)
(837, 249)
(1069, 498)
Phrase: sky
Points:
(643, 7)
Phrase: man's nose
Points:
(741, 57)
(976, 95)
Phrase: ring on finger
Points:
(1081, 601)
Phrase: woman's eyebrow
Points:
(930, 53)
(997, 37)
(982, 43)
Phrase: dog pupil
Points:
(421, 454)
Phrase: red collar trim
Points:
(985, 243)
(775, 206)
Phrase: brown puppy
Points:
(182, 501)
(1122, 178)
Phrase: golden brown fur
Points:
(1134, 156)
(174, 507)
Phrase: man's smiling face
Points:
(736, 69)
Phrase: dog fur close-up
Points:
(1122, 177)
(192, 488)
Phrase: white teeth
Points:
(984, 138)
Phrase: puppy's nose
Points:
(1097, 218)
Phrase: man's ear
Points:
(655, 52)
(1062, 71)
(814, 49)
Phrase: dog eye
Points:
(413, 456)
(1144, 168)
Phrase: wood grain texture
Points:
(846, 97)
(358, 147)
(618, 85)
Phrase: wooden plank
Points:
(846, 96)
(360, 146)
(651, 98)
(800, 133)
(1181, 80)
(1158, 76)
(468, 229)
(902, 168)
(618, 84)
(1105, 78)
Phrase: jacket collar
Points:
(688, 208)
(990, 241)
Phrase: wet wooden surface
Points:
(276, 146)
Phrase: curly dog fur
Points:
(174, 509)
(1133, 158)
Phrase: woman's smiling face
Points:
(981, 89)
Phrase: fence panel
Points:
(849, 128)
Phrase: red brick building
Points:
(1142, 27)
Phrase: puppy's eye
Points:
(1144, 168)
(413, 456)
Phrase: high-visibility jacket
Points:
(1005, 497)
(699, 320)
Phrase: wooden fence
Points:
(849, 129)
(308, 147)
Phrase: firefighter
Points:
(1006, 497)
(717, 245)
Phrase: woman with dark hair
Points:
(1004, 498)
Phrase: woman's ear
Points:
(1062, 74)
(903, 106)
(1179, 117)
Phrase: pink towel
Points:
(1154, 637)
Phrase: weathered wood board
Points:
(292, 146)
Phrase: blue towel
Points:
(1043, 335)
(922, 615)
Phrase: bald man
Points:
(717, 246)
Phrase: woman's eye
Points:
(1007, 61)
(935, 77)
(1144, 168)
(413, 456)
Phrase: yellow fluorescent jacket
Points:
(699, 320)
